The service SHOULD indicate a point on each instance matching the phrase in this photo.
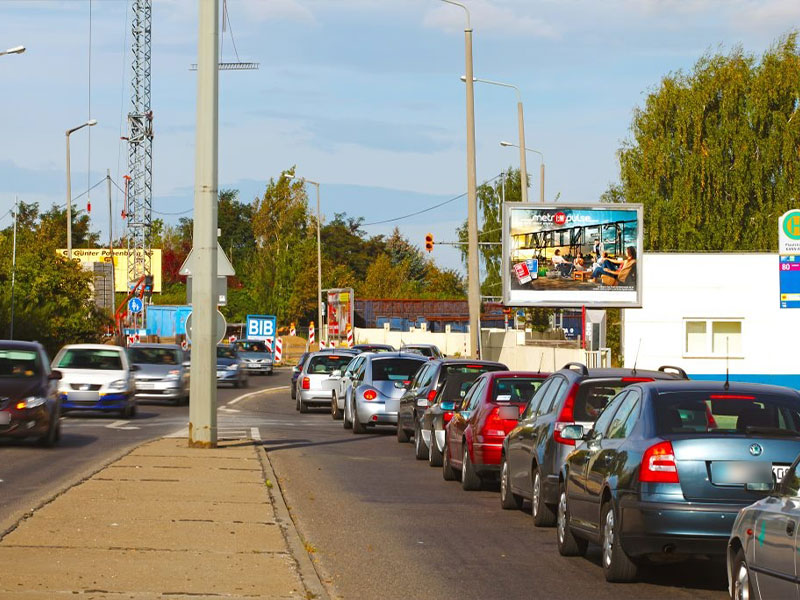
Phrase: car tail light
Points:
(306, 383)
(370, 395)
(731, 397)
(497, 427)
(20, 405)
(636, 379)
(446, 416)
(431, 396)
(566, 417)
(658, 464)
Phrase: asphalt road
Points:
(381, 524)
(30, 474)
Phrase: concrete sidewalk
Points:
(164, 521)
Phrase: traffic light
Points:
(429, 242)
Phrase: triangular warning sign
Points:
(224, 266)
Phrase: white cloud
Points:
(270, 10)
(488, 16)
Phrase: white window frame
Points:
(709, 353)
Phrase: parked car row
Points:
(648, 464)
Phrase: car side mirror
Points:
(135, 368)
(573, 432)
(55, 375)
(402, 385)
(509, 413)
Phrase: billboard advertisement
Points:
(88, 257)
(570, 255)
(340, 312)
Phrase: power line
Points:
(167, 214)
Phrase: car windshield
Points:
(517, 390)
(19, 364)
(153, 356)
(424, 350)
(459, 378)
(593, 396)
(394, 369)
(88, 358)
(714, 413)
(259, 347)
(226, 352)
(325, 364)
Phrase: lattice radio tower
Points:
(139, 211)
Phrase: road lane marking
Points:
(121, 425)
(256, 393)
(229, 410)
(255, 434)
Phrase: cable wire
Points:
(158, 212)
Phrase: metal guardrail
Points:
(598, 359)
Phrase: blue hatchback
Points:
(667, 467)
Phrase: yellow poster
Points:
(88, 257)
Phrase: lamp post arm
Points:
(466, 10)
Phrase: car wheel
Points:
(617, 565)
(742, 589)
(402, 435)
(434, 454)
(568, 544)
(297, 403)
(358, 426)
(347, 422)
(237, 384)
(303, 406)
(294, 392)
(448, 472)
(245, 381)
(336, 414)
(420, 447)
(543, 514)
(508, 499)
(49, 439)
(470, 480)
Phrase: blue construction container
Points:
(167, 321)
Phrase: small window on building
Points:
(711, 338)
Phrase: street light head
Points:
(91, 122)
(16, 50)
(506, 144)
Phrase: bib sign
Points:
(261, 327)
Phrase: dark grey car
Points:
(534, 451)
(163, 372)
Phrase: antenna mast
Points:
(140, 146)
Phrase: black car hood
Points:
(17, 389)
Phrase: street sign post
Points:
(789, 259)
(261, 327)
(221, 326)
(135, 305)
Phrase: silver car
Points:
(343, 386)
(162, 374)
(378, 383)
(764, 547)
(315, 382)
(257, 357)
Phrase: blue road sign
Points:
(790, 281)
(261, 327)
(135, 305)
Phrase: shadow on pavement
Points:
(274, 445)
(68, 440)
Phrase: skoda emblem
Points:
(756, 449)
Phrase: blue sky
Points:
(362, 95)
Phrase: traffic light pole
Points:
(203, 392)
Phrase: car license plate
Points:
(5, 418)
(740, 472)
(779, 471)
(220, 374)
(145, 386)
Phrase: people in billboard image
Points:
(583, 254)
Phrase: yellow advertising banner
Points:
(92, 255)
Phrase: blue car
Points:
(668, 465)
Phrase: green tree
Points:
(714, 153)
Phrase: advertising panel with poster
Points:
(572, 255)
(87, 257)
(340, 312)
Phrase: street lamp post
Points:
(523, 163)
(319, 264)
(14, 50)
(14, 266)
(541, 167)
(473, 268)
(89, 123)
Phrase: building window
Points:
(712, 338)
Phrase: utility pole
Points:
(14, 264)
(203, 405)
(111, 245)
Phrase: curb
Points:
(307, 567)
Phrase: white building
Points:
(700, 311)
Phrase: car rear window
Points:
(19, 363)
(83, 358)
(325, 364)
(395, 369)
(593, 396)
(714, 413)
(423, 350)
(459, 378)
(153, 356)
(517, 390)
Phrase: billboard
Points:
(340, 312)
(570, 255)
(87, 258)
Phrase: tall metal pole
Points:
(111, 244)
(541, 182)
(473, 266)
(14, 265)
(203, 405)
(523, 163)
(319, 270)
(69, 204)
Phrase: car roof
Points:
(734, 387)
(467, 361)
(170, 346)
(92, 347)
(384, 355)
(420, 346)
(19, 344)
(581, 372)
(511, 374)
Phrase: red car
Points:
(489, 410)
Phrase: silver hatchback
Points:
(163, 372)
(316, 382)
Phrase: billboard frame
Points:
(567, 300)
